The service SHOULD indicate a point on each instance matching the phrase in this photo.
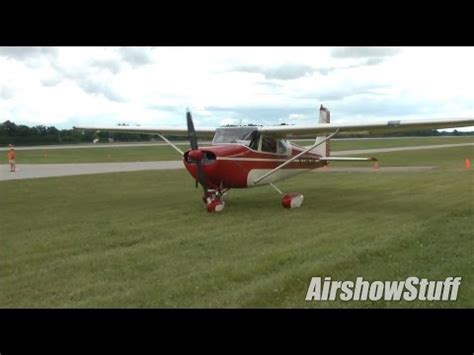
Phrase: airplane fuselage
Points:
(238, 166)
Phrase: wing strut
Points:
(171, 144)
(295, 157)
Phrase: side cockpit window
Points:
(269, 144)
(239, 135)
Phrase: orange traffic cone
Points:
(467, 164)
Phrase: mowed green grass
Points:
(156, 153)
(99, 155)
(453, 158)
(144, 239)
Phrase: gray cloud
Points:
(296, 71)
(136, 56)
(97, 88)
(375, 108)
(325, 71)
(53, 81)
(82, 78)
(111, 65)
(372, 56)
(159, 107)
(25, 53)
(263, 115)
(342, 93)
(363, 52)
(374, 61)
(282, 72)
(382, 109)
(270, 84)
(288, 72)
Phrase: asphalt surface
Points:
(98, 145)
(29, 171)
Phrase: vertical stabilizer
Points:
(325, 148)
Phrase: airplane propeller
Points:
(196, 154)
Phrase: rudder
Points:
(325, 148)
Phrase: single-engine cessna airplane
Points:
(250, 156)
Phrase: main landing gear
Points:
(290, 200)
(214, 200)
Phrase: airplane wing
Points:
(206, 132)
(290, 131)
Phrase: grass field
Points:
(155, 153)
(98, 155)
(144, 239)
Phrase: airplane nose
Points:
(196, 155)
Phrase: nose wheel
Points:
(214, 200)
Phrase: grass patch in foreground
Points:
(144, 239)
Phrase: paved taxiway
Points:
(28, 171)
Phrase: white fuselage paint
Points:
(279, 175)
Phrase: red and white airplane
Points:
(251, 156)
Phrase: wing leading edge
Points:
(170, 131)
(290, 131)
(368, 128)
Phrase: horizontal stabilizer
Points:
(346, 159)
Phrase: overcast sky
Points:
(68, 86)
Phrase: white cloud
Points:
(153, 86)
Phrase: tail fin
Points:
(324, 149)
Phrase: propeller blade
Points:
(191, 132)
(201, 178)
(194, 146)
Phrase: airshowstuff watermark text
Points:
(413, 288)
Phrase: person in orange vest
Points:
(11, 155)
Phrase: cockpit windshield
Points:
(240, 135)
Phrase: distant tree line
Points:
(10, 133)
